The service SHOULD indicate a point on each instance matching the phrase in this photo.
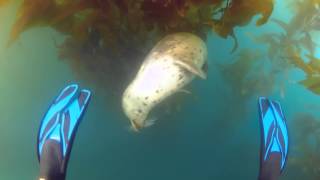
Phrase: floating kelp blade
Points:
(165, 15)
(312, 83)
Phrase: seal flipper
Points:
(274, 138)
(135, 127)
(56, 135)
(192, 68)
(184, 91)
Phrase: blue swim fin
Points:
(59, 125)
(274, 136)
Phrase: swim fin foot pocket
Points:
(58, 129)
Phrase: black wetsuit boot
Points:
(271, 168)
(51, 162)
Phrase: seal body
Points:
(171, 64)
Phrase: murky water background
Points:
(201, 142)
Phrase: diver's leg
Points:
(51, 161)
(270, 170)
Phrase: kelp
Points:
(246, 77)
(285, 51)
(312, 69)
(312, 83)
(107, 39)
(295, 47)
(65, 16)
(3, 2)
(305, 147)
(167, 15)
(240, 13)
(140, 16)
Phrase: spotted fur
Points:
(170, 65)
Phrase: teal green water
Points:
(203, 141)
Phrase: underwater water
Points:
(214, 136)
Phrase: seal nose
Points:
(135, 126)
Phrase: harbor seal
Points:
(171, 64)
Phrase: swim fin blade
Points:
(274, 135)
(61, 121)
